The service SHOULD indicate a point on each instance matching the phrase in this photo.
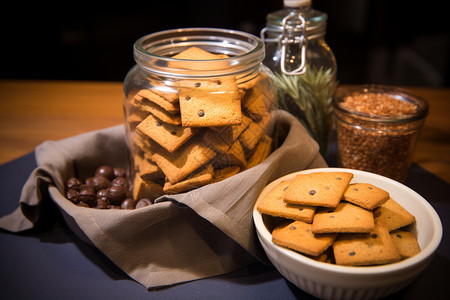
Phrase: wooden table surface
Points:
(33, 111)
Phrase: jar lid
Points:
(296, 3)
(316, 21)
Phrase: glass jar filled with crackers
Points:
(377, 128)
(197, 107)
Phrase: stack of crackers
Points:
(191, 132)
(328, 218)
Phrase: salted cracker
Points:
(183, 162)
(273, 205)
(299, 237)
(169, 136)
(318, 188)
(393, 215)
(365, 195)
(405, 242)
(210, 104)
(363, 249)
(199, 178)
(346, 217)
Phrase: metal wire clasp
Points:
(294, 27)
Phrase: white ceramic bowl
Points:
(329, 281)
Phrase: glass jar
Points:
(303, 64)
(197, 105)
(377, 128)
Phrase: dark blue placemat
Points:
(50, 262)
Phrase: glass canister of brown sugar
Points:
(197, 105)
(377, 128)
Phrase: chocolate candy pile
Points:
(108, 188)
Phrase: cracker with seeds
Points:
(318, 188)
(393, 215)
(364, 249)
(169, 136)
(274, 205)
(299, 237)
(208, 104)
(405, 242)
(365, 195)
(346, 217)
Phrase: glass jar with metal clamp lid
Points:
(303, 64)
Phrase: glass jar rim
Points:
(396, 92)
(153, 52)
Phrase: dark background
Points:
(375, 41)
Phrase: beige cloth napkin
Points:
(198, 234)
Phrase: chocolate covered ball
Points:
(100, 182)
(122, 181)
(89, 181)
(128, 203)
(102, 203)
(106, 171)
(119, 172)
(116, 194)
(143, 203)
(87, 195)
(74, 183)
(72, 195)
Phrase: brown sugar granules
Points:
(376, 133)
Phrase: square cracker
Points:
(346, 217)
(253, 133)
(183, 162)
(157, 111)
(210, 104)
(199, 178)
(318, 188)
(299, 237)
(231, 133)
(393, 215)
(405, 242)
(261, 152)
(224, 173)
(362, 249)
(274, 205)
(198, 55)
(149, 95)
(149, 171)
(254, 103)
(146, 189)
(169, 136)
(227, 154)
(365, 195)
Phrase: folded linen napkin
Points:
(205, 232)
